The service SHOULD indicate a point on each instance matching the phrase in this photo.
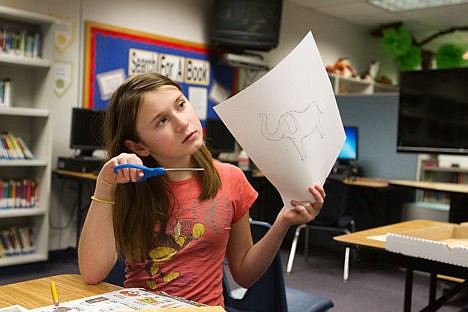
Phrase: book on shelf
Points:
(5, 93)
(20, 43)
(16, 240)
(19, 193)
(14, 147)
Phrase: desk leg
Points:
(432, 288)
(437, 304)
(458, 212)
(408, 290)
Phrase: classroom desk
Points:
(373, 202)
(81, 178)
(367, 182)
(458, 192)
(36, 293)
(361, 239)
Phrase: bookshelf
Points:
(350, 86)
(27, 116)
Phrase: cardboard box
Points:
(444, 243)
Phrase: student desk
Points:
(458, 193)
(374, 202)
(361, 239)
(81, 178)
(36, 293)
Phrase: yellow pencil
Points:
(54, 293)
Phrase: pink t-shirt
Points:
(189, 262)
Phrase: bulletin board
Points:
(113, 54)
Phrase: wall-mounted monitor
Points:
(86, 130)
(246, 24)
(433, 111)
(349, 151)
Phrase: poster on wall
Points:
(112, 54)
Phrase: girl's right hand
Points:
(124, 175)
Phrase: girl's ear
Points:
(137, 148)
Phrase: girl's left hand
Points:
(305, 211)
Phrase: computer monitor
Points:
(86, 130)
(349, 151)
(218, 139)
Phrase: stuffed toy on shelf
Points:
(343, 68)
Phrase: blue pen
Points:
(152, 172)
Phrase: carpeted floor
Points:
(372, 285)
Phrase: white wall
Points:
(335, 38)
(180, 19)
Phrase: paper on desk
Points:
(14, 308)
(288, 122)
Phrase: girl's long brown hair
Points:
(141, 206)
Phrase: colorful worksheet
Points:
(127, 299)
(288, 122)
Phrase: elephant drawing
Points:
(295, 126)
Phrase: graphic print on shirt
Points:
(196, 220)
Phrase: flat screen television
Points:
(349, 151)
(86, 130)
(433, 111)
(246, 24)
(218, 139)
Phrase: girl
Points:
(174, 230)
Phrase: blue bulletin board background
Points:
(107, 49)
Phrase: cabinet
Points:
(429, 171)
(28, 117)
(352, 86)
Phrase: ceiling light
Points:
(405, 5)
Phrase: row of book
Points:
(435, 197)
(20, 43)
(13, 147)
(5, 93)
(16, 193)
(16, 240)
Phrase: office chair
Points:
(117, 275)
(332, 218)
(269, 293)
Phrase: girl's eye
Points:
(181, 105)
(161, 121)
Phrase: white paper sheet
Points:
(288, 122)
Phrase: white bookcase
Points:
(29, 118)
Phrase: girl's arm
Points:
(96, 249)
(248, 261)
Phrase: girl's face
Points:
(168, 127)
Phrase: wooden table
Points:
(81, 179)
(36, 293)
(432, 186)
(458, 193)
(366, 182)
(76, 174)
(363, 239)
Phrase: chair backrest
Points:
(334, 206)
(268, 293)
(117, 274)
